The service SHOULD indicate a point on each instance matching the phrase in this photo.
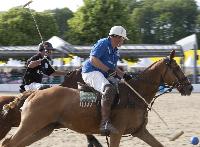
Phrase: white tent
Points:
(189, 65)
(61, 45)
(187, 43)
(57, 62)
(122, 64)
(189, 62)
(76, 61)
(143, 62)
(14, 63)
(57, 42)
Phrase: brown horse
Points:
(13, 117)
(129, 116)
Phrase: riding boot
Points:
(106, 127)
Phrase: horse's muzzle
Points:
(186, 90)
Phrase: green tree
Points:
(197, 31)
(176, 20)
(61, 16)
(141, 24)
(17, 27)
(93, 20)
(163, 21)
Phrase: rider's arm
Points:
(97, 63)
(120, 73)
(35, 63)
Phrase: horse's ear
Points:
(172, 54)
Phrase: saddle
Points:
(89, 95)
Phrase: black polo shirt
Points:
(36, 74)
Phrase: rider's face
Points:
(118, 41)
(48, 52)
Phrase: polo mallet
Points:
(172, 138)
(35, 22)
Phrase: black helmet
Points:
(45, 46)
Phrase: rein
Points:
(166, 91)
(175, 84)
(179, 83)
(149, 107)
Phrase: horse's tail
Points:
(17, 102)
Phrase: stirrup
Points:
(107, 128)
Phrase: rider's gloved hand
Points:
(127, 77)
(112, 73)
(44, 60)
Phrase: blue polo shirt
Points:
(104, 51)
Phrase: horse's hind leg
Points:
(148, 138)
(92, 141)
(12, 119)
(33, 120)
(4, 130)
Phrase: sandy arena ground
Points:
(180, 113)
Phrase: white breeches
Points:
(96, 80)
(33, 86)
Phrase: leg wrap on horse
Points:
(109, 94)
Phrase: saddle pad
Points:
(87, 98)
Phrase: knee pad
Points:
(109, 92)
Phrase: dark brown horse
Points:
(13, 117)
(129, 116)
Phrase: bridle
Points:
(180, 82)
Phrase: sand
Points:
(179, 112)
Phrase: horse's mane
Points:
(152, 65)
(139, 75)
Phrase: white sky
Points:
(41, 5)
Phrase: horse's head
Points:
(174, 76)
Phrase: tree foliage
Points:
(18, 28)
(164, 21)
(94, 19)
(146, 21)
(61, 16)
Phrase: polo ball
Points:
(194, 140)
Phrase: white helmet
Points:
(118, 30)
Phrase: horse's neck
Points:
(147, 85)
(71, 79)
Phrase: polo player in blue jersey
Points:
(101, 65)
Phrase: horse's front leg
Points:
(148, 138)
(115, 140)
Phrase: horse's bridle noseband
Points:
(181, 82)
